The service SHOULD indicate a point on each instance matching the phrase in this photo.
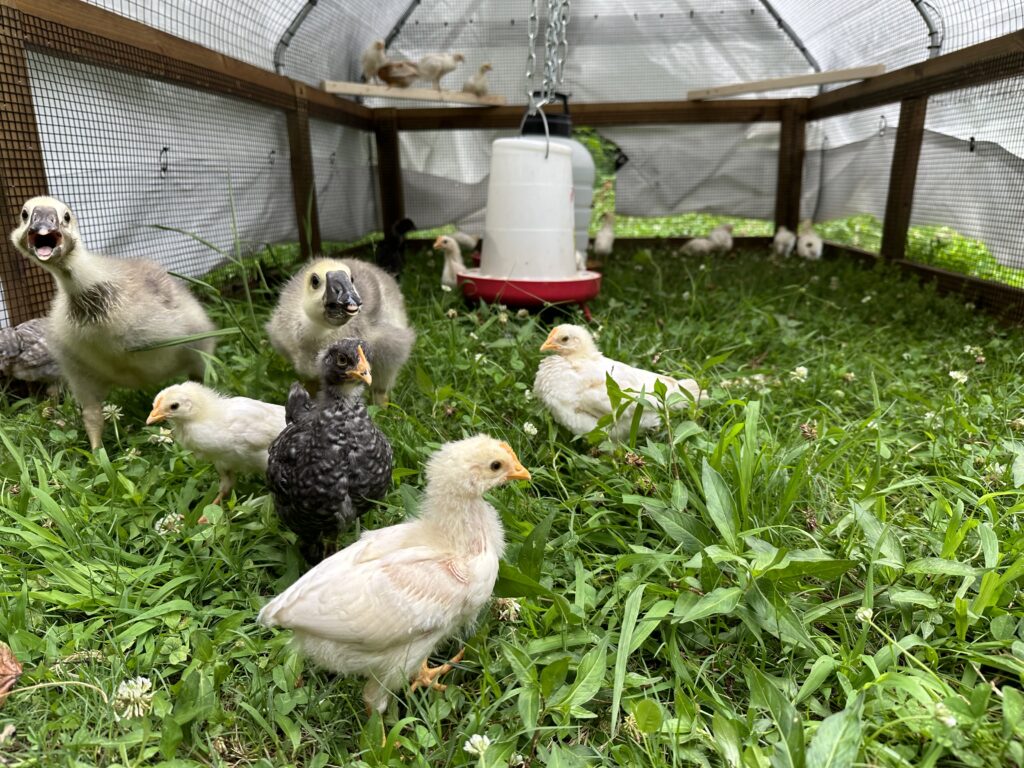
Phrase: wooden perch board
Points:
(420, 94)
(793, 81)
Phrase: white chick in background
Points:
(380, 606)
(604, 240)
(232, 433)
(453, 263)
(784, 242)
(809, 244)
(721, 236)
(467, 242)
(373, 59)
(434, 66)
(477, 84)
(572, 384)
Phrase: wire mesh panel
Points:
(132, 156)
(849, 159)
(965, 22)
(968, 213)
(346, 190)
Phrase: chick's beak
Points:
(549, 343)
(156, 415)
(518, 471)
(438, 244)
(362, 370)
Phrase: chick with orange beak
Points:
(572, 383)
(379, 607)
(232, 433)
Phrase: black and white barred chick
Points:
(25, 355)
(331, 461)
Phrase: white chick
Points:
(400, 74)
(467, 242)
(809, 244)
(604, 240)
(107, 311)
(380, 606)
(477, 84)
(784, 242)
(373, 59)
(572, 384)
(581, 260)
(721, 236)
(699, 246)
(333, 299)
(434, 66)
(453, 263)
(232, 433)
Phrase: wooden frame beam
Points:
(27, 288)
(790, 81)
(347, 88)
(978, 64)
(307, 214)
(789, 184)
(903, 177)
(599, 114)
(389, 167)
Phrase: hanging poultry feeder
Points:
(529, 254)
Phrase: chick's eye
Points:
(314, 281)
(175, 406)
(24, 214)
(564, 339)
(67, 217)
(495, 466)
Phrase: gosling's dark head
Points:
(345, 362)
(329, 295)
(47, 231)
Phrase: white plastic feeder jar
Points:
(529, 222)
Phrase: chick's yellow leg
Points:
(427, 676)
(92, 416)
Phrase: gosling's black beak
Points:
(44, 232)
(341, 299)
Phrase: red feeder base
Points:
(579, 288)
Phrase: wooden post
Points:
(307, 215)
(792, 134)
(389, 167)
(903, 176)
(27, 289)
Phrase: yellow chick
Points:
(381, 605)
(572, 383)
(232, 433)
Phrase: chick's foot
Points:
(427, 676)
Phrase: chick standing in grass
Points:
(453, 263)
(783, 242)
(25, 355)
(233, 433)
(380, 606)
(719, 240)
(331, 461)
(331, 299)
(604, 240)
(572, 384)
(477, 84)
(106, 311)
(809, 244)
(434, 66)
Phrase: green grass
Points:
(697, 597)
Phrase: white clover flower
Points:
(799, 373)
(849, 376)
(476, 744)
(906, 356)
(969, 306)
(528, 395)
(944, 716)
(958, 376)
(446, 288)
(503, 317)
(473, 336)
(686, 295)
(864, 615)
(530, 429)
(1017, 425)
(814, 279)
(833, 284)
(162, 437)
(508, 609)
(516, 761)
(111, 412)
(523, 313)
(702, 267)
(478, 357)
(929, 415)
(133, 698)
(451, 314)
(169, 523)
(972, 350)
(867, 297)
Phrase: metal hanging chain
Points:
(556, 50)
